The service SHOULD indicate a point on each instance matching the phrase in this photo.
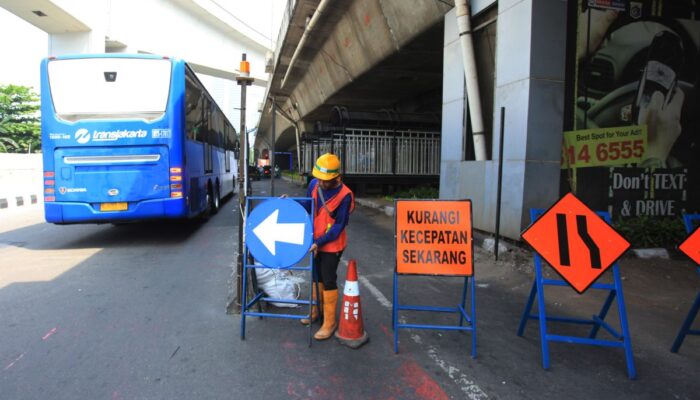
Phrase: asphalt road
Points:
(138, 312)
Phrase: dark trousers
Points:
(327, 269)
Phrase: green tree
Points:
(20, 130)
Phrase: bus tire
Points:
(215, 198)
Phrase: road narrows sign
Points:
(576, 242)
(691, 246)
(434, 237)
(278, 232)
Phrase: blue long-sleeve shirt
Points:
(342, 213)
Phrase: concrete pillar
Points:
(530, 59)
(95, 15)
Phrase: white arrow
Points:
(269, 232)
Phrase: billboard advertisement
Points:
(631, 144)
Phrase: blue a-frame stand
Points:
(247, 305)
(690, 221)
(470, 319)
(597, 321)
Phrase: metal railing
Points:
(379, 151)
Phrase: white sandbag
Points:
(278, 284)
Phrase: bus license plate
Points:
(113, 206)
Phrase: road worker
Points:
(333, 203)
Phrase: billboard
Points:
(631, 144)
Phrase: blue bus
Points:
(129, 138)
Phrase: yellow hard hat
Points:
(327, 167)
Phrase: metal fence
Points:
(379, 151)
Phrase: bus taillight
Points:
(176, 195)
(49, 188)
(176, 186)
(176, 176)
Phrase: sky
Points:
(24, 46)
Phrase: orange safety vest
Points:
(323, 221)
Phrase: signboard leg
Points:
(317, 302)
(244, 297)
(602, 314)
(528, 308)
(685, 329)
(395, 312)
(464, 301)
(622, 311)
(690, 248)
(254, 284)
(473, 314)
(542, 313)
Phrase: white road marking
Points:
(467, 386)
(375, 292)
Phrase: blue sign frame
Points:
(597, 321)
(467, 320)
(309, 266)
(688, 219)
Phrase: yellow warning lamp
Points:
(245, 68)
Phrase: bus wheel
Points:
(215, 200)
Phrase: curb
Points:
(487, 242)
(292, 181)
(388, 210)
(18, 201)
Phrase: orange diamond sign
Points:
(576, 242)
(691, 246)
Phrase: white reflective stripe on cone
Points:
(351, 288)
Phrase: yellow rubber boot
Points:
(330, 301)
(314, 309)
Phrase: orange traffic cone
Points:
(351, 331)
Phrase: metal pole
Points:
(500, 178)
(243, 81)
(272, 149)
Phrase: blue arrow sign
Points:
(278, 232)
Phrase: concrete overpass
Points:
(362, 54)
(407, 57)
(199, 31)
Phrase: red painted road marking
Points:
(14, 362)
(386, 330)
(416, 378)
(51, 332)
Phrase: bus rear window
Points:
(109, 88)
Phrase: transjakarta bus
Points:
(131, 137)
